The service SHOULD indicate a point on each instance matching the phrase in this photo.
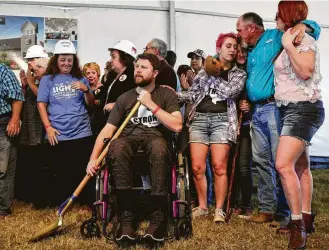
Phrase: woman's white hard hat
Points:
(125, 46)
(36, 51)
(64, 47)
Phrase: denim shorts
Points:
(302, 120)
(209, 128)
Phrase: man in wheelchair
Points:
(149, 129)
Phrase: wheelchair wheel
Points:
(184, 229)
(90, 229)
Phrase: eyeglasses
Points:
(147, 48)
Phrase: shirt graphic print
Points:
(145, 117)
(64, 91)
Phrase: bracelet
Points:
(86, 91)
(155, 110)
(47, 126)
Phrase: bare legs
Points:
(292, 163)
(219, 157)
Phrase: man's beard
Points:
(144, 83)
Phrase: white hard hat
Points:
(126, 46)
(64, 47)
(36, 51)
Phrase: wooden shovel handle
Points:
(106, 149)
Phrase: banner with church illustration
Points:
(18, 33)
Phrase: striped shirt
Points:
(10, 89)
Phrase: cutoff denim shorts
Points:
(209, 128)
(302, 120)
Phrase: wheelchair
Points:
(104, 219)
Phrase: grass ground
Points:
(16, 230)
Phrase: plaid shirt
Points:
(10, 89)
(226, 91)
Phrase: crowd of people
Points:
(261, 87)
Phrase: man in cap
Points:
(198, 57)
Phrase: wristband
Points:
(155, 110)
(47, 126)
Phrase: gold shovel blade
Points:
(45, 232)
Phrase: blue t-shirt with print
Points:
(66, 106)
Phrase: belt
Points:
(265, 101)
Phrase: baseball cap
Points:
(198, 52)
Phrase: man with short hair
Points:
(150, 128)
(198, 57)
(166, 75)
(11, 102)
(264, 47)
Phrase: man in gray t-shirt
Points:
(150, 128)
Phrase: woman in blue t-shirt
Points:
(62, 98)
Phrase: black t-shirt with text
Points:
(209, 104)
(143, 121)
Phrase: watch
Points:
(86, 91)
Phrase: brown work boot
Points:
(309, 223)
(298, 236)
(260, 218)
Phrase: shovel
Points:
(231, 182)
(64, 207)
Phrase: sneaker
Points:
(126, 230)
(219, 216)
(157, 228)
(198, 212)
(245, 213)
(237, 211)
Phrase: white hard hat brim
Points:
(110, 49)
(31, 57)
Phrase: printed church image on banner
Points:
(29, 36)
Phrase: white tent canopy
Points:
(184, 25)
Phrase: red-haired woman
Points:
(213, 120)
(297, 93)
(92, 72)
